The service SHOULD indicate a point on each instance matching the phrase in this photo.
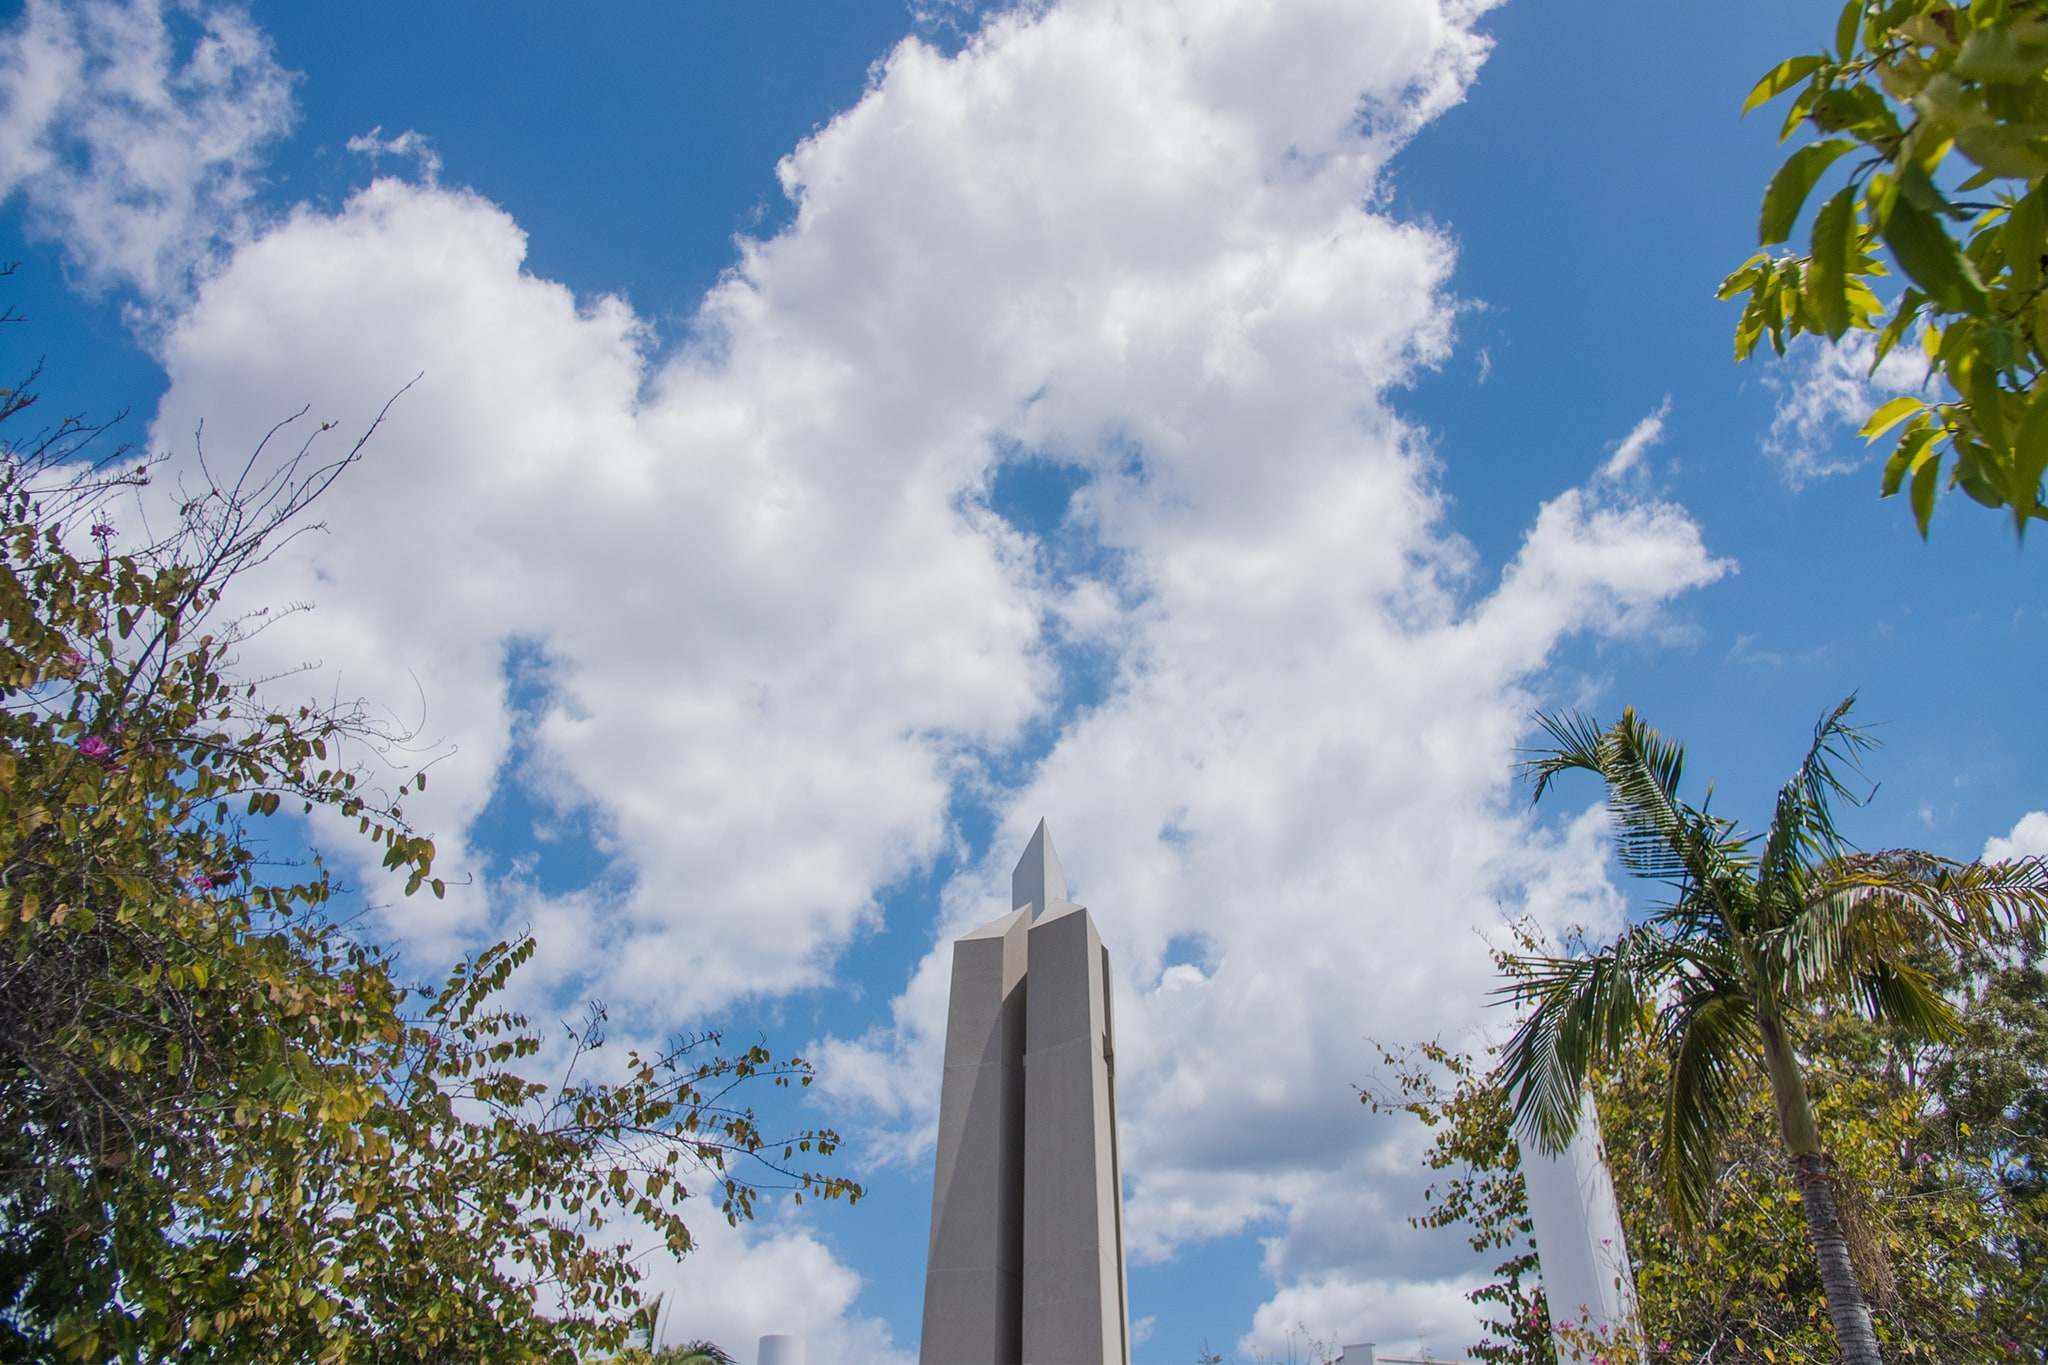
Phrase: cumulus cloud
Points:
(1830, 390)
(1432, 1314)
(2027, 839)
(776, 627)
(766, 621)
(737, 1287)
(135, 132)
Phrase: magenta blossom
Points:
(348, 988)
(92, 746)
(202, 882)
(73, 660)
(102, 531)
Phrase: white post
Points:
(780, 1348)
(1587, 1277)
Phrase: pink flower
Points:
(102, 531)
(92, 746)
(1664, 1347)
(73, 660)
(202, 882)
(348, 989)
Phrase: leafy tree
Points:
(1991, 1112)
(1761, 934)
(231, 1132)
(1479, 1188)
(1906, 84)
(1944, 1253)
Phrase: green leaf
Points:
(2006, 150)
(1930, 255)
(1827, 283)
(1846, 26)
(1902, 318)
(1986, 404)
(2030, 456)
(1797, 110)
(1750, 329)
(1856, 109)
(1982, 474)
(1907, 458)
(1923, 494)
(1996, 53)
(1795, 180)
(1889, 416)
(2025, 230)
(1781, 78)
(1753, 272)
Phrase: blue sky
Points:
(1213, 427)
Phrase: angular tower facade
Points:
(1026, 1255)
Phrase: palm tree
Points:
(647, 1321)
(1758, 931)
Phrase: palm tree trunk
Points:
(1854, 1332)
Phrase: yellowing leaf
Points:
(1781, 78)
(1889, 416)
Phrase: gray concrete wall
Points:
(1074, 1291)
(973, 1276)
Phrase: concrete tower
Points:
(1026, 1255)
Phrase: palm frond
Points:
(1713, 1035)
(1901, 994)
(1866, 915)
(1578, 750)
(1586, 1009)
(1721, 899)
(1961, 900)
(1803, 830)
(1657, 835)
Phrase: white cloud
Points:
(410, 145)
(769, 622)
(1640, 438)
(735, 1288)
(1432, 1314)
(2028, 839)
(780, 628)
(1830, 391)
(136, 136)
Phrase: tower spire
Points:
(1038, 881)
